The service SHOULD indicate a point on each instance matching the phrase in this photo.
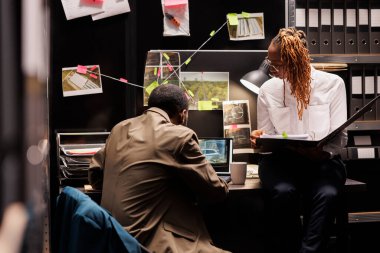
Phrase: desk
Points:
(244, 218)
(255, 184)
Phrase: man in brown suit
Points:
(154, 174)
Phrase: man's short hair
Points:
(170, 98)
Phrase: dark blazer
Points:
(154, 174)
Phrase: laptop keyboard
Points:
(226, 178)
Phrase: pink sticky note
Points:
(123, 80)
(93, 76)
(92, 2)
(174, 3)
(159, 72)
(93, 68)
(233, 126)
(170, 67)
(81, 69)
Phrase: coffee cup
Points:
(238, 172)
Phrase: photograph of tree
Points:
(209, 89)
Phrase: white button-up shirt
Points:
(326, 112)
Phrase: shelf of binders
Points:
(338, 26)
(346, 58)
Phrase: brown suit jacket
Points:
(154, 173)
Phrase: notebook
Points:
(268, 144)
(218, 151)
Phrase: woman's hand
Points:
(254, 135)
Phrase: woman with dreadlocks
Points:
(300, 100)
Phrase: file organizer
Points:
(75, 151)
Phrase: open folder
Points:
(270, 144)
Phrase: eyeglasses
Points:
(272, 67)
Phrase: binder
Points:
(325, 38)
(374, 26)
(377, 92)
(369, 91)
(313, 26)
(351, 43)
(337, 35)
(363, 27)
(301, 15)
(356, 90)
(356, 93)
(276, 142)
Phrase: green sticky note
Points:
(155, 71)
(245, 15)
(151, 87)
(232, 19)
(187, 61)
(285, 135)
(212, 33)
(205, 105)
(190, 93)
(165, 82)
(166, 56)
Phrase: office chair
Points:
(81, 225)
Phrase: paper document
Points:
(112, 8)
(75, 9)
(269, 143)
(289, 136)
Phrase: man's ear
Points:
(183, 116)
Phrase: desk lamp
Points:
(255, 78)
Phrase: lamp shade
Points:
(255, 78)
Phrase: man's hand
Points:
(254, 135)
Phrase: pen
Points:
(172, 19)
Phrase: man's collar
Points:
(159, 111)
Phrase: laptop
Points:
(218, 151)
(269, 144)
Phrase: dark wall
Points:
(206, 16)
(119, 44)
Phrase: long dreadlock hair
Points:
(296, 64)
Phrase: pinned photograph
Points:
(81, 80)
(237, 125)
(160, 68)
(208, 89)
(246, 26)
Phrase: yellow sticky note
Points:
(245, 15)
(232, 19)
(151, 87)
(165, 82)
(190, 93)
(214, 99)
(212, 33)
(155, 71)
(204, 105)
(166, 56)
(187, 61)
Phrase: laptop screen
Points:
(218, 151)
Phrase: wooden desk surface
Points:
(255, 184)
